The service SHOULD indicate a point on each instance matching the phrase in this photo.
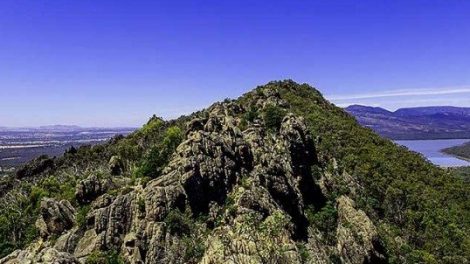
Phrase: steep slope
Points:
(277, 176)
(415, 123)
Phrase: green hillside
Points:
(278, 166)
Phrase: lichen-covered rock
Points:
(37, 254)
(55, 217)
(108, 225)
(131, 249)
(115, 165)
(88, 243)
(51, 255)
(318, 251)
(250, 239)
(68, 241)
(89, 189)
(356, 234)
(339, 180)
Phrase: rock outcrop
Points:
(55, 217)
(89, 189)
(357, 237)
(250, 187)
(43, 256)
(116, 166)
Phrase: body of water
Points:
(431, 149)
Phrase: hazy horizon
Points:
(139, 125)
(111, 64)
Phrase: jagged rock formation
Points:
(55, 217)
(235, 190)
(89, 189)
(356, 234)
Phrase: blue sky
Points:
(115, 63)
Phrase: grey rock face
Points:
(107, 226)
(356, 234)
(116, 166)
(40, 256)
(89, 189)
(55, 217)
(68, 241)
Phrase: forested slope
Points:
(278, 175)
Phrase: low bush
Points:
(273, 116)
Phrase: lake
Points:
(431, 149)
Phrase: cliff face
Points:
(245, 183)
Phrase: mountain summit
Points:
(279, 175)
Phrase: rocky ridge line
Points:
(251, 187)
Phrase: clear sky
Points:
(115, 63)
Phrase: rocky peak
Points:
(234, 191)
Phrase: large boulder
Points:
(116, 166)
(55, 217)
(89, 189)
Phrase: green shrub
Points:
(251, 114)
(128, 149)
(36, 195)
(178, 223)
(6, 247)
(192, 234)
(303, 252)
(325, 219)
(243, 124)
(17, 219)
(245, 182)
(160, 154)
(153, 126)
(273, 116)
(81, 215)
(194, 249)
(335, 259)
(51, 187)
(461, 172)
(141, 205)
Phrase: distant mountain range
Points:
(436, 122)
(63, 128)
